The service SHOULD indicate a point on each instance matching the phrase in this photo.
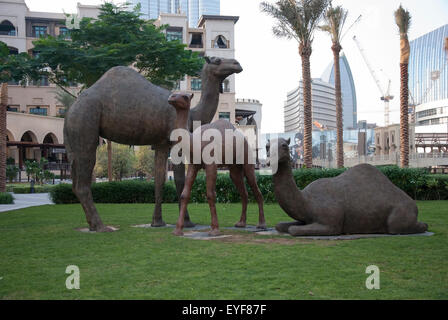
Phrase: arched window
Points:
(7, 28)
(221, 42)
(226, 85)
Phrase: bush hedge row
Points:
(417, 183)
(37, 189)
(6, 198)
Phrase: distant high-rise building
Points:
(193, 9)
(323, 102)
(349, 104)
(428, 79)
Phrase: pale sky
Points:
(272, 66)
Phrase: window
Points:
(196, 84)
(427, 113)
(60, 111)
(38, 110)
(224, 115)
(42, 82)
(7, 28)
(226, 85)
(64, 32)
(173, 34)
(220, 42)
(39, 31)
(13, 108)
(196, 40)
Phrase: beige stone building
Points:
(387, 140)
(35, 117)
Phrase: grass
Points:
(38, 243)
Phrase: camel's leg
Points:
(211, 172)
(83, 162)
(185, 198)
(313, 229)
(236, 174)
(403, 221)
(161, 156)
(249, 172)
(179, 179)
(283, 227)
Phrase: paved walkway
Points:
(27, 200)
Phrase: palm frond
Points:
(403, 20)
(334, 18)
(295, 19)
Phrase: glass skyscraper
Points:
(349, 105)
(194, 9)
(428, 67)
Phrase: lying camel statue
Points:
(181, 102)
(360, 200)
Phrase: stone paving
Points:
(27, 200)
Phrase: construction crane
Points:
(385, 96)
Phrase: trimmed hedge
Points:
(37, 189)
(417, 183)
(6, 198)
(131, 191)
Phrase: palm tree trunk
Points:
(404, 118)
(305, 53)
(3, 107)
(109, 160)
(339, 116)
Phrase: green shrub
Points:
(417, 183)
(132, 191)
(6, 198)
(37, 189)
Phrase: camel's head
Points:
(181, 101)
(278, 150)
(221, 67)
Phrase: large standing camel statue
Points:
(124, 107)
(238, 169)
(360, 200)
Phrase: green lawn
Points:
(37, 244)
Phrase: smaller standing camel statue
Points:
(124, 107)
(237, 171)
(360, 200)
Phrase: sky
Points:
(272, 65)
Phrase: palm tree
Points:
(335, 19)
(403, 20)
(3, 107)
(298, 20)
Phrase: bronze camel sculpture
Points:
(360, 200)
(124, 107)
(237, 171)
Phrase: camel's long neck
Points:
(181, 118)
(288, 195)
(205, 110)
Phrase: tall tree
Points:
(403, 21)
(118, 37)
(298, 20)
(334, 23)
(17, 68)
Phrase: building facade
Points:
(193, 9)
(35, 116)
(323, 105)
(428, 78)
(214, 37)
(349, 103)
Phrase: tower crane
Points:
(385, 95)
